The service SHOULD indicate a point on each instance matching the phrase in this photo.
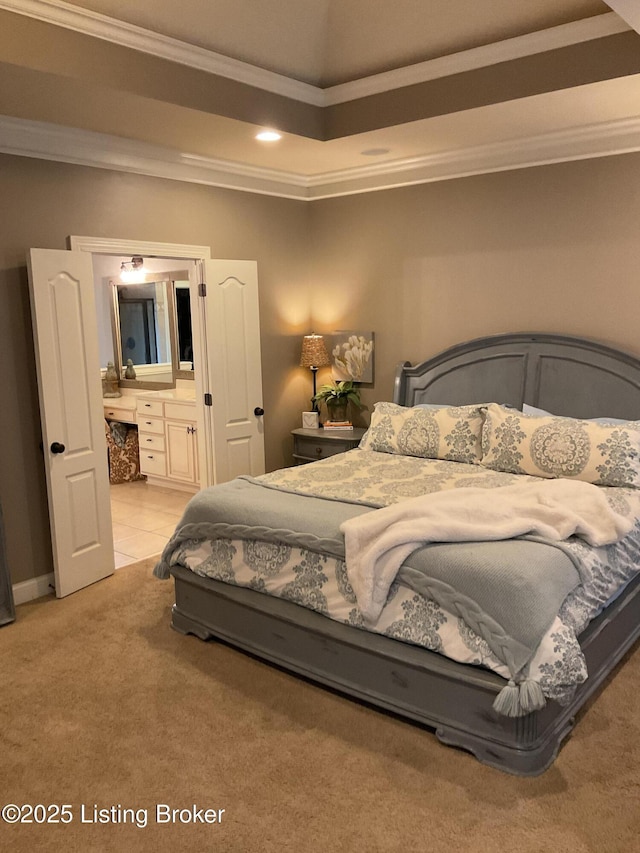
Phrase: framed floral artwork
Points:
(351, 355)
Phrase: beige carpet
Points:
(103, 705)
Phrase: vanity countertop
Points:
(186, 395)
(128, 402)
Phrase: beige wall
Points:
(552, 249)
(42, 204)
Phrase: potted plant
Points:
(337, 396)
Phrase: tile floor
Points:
(143, 518)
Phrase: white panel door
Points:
(74, 445)
(234, 367)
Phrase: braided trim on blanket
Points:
(460, 605)
(521, 695)
(222, 530)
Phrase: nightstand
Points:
(312, 444)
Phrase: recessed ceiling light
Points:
(375, 152)
(268, 136)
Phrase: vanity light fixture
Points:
(133, 271)
(268, 136)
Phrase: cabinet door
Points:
(182, 451)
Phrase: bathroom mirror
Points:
(145, 325)
(184, 339)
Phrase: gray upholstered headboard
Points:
(568, 376)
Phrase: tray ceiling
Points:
(325, 42)
(368, 94)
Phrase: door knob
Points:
(258, 411)
(56, 447)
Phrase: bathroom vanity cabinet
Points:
(167, 434)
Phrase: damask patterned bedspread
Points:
(371, 479)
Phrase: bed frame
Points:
(564, 375)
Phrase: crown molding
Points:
(582, 143)
(86, 148)
(90, 23)
(99, 150)
(553, 38)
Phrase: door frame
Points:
(147, 248)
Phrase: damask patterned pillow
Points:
(607, 455)
(446, 432)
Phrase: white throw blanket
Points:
(378, 542)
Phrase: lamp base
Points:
(314, 405)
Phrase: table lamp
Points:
(314, 355)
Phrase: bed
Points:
(477, 699)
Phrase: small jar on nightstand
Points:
(309, 445)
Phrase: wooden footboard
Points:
(568, 376)
(453, 699)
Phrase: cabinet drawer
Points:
(148, 441)
(180, 412)
(151, 424)
(127, 416)
(153, 463)
(319, 449)
(312, 444)
(150, 407)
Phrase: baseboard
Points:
(33, 588)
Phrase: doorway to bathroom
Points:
(228, 389)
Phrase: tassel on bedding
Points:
(518, 698)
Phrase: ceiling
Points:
(367, 94)
(325, 42)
